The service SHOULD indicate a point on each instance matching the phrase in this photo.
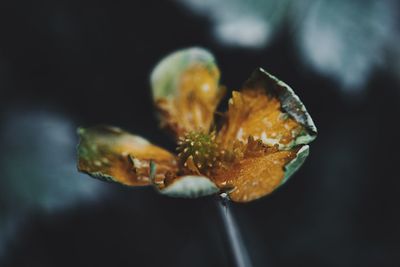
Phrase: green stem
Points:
(237, 248)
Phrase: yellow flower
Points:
(253, 149)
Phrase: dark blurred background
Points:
(65, 64)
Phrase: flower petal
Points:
(255, 177)
(269, 110)
(111, 154)
(186, 90)
(190, 186)
(296, 163)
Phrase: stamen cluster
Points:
(198, 151)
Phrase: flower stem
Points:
(237, 248)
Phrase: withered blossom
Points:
(250, 151)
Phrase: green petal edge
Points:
(296, 163)
(86, 152)
(96, 156)
(190, 186)
(167, 72)
(290, 102)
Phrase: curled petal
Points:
(186, 90)
(111, 154)
(190, 186)
(296, 163)
(269, 110)
(259, 175)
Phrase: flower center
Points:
(197, 151)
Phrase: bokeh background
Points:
(65, 64)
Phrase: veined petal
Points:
(260, 174)
(190, 186)
(111, 154)
(186, 90)
(269, 110)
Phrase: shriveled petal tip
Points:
(190, 186)
(111, 154)
(269, 110)
(186, 91)
(165, 76)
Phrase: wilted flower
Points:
(262, 139)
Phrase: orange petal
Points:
(257, 175)
(186, 90)
(267, 109)
(111, 154)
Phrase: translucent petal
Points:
(186, 90)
